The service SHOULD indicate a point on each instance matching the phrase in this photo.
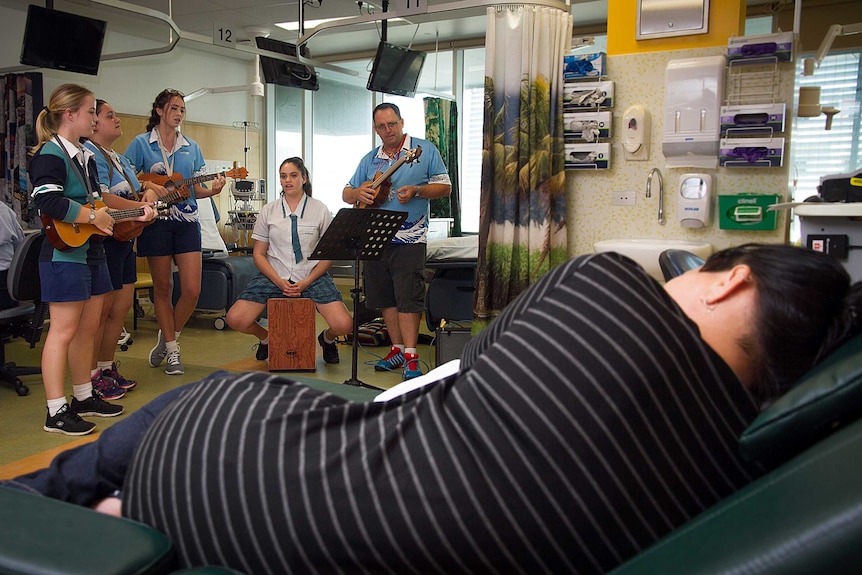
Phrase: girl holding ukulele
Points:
(163, 150)
(74, 281)
(121, 190)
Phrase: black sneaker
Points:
(330, 350)
(68, 422)
(95, 406)
(262, 352)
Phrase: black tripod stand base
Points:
(358, 383)
(358, 235)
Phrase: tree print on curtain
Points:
(441, 129)
(522, 222)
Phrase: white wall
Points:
(132, 84)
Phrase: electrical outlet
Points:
(625, 198)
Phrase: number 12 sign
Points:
(223, 35)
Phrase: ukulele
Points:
(128, 230)
(382, 183)
(176, 180)
(65, 236)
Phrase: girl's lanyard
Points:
(114, 162)
(301, 213)
(85, 180)
(169, 165)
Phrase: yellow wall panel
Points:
(726, 19)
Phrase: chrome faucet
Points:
(661, 220)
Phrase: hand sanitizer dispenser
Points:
(694, 204)
(636, 133)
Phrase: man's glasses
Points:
(390, 125)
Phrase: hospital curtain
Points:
(441, 129)
(522, 221)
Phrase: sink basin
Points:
(646, 251)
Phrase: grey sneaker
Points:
(175, 366)
(158, 353)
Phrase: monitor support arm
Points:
(833, 32)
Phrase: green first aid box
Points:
(747, 211)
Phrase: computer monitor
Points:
(396, 70)
(282, 72)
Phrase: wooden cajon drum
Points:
(292, 341)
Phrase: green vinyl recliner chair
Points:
(803, 517)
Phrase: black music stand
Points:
(358, 234)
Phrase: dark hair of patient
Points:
(806, 308)
(300, 165)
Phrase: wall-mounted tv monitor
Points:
(282, 72)
(396, 70)
(62, 41)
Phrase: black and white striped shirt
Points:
(589, 420)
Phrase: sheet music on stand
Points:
(358, 234)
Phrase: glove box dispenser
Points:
(586, 126)
(593, 156)
(751, 152)
(748, 119)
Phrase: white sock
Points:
(171, 346)
(54, 405)
(410, 350)
(103, 365)
(400, 347)
(176, 335)
(265, 341)
(93, 372)
(326, 339)
(83, 392)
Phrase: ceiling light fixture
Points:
(311, 24)
(254, 89)
(294, 26)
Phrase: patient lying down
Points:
(600, 411)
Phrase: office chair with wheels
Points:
(676, 262)
(27, 318)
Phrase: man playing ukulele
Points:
(396, 282)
